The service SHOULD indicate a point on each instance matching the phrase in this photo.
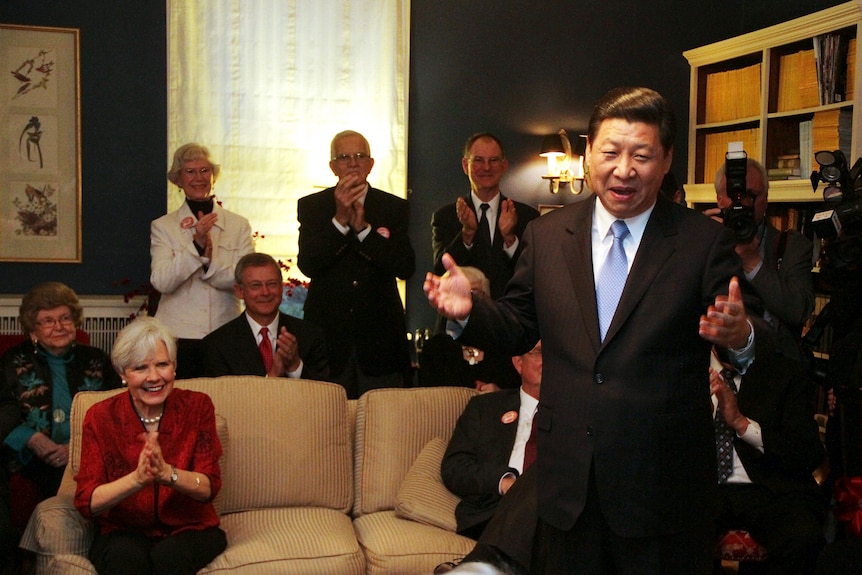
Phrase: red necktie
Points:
(265, 349)
(530, 447)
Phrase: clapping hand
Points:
(450, 293)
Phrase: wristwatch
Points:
(174, 475)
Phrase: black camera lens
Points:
(830, 173)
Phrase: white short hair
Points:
(139, 340)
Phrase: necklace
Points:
(151, 420)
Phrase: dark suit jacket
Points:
(478, 455)
(442, 363)
(353, 294)
(232, 349)
(787, 293)
(779, 398)
(636, 407)
(497, 266)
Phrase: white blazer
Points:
(195, 301)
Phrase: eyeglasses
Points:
(191, 172)
(345, 158)
(257, 286)
(493, 161)
(51, 323)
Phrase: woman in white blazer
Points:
(194, 250)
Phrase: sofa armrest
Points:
(57, 528)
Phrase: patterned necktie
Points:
(265, 349)
(724, 435)
(483, 234)
(530, 447)
(612, 278)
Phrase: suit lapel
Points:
(577, 250)
(656, 247)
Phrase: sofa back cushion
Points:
(289, 441)
(392, 428)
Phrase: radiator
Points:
(104, 317)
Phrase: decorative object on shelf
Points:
(40, 175)
(557, 148)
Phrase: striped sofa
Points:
(311, 481)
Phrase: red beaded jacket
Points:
(111, 443)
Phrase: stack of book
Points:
(732, 94)
(831, 130)
(787, 167)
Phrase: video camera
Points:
(738, 217)
(840, 226)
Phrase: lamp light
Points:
(558, 150)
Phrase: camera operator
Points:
(777, 264)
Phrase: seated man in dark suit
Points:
(262, 340)
(492, 445)
(766, 486)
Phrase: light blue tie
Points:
(612, 278)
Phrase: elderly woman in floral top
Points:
(43, 374)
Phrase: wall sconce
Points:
(564, 167)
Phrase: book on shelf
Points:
(830, 53)
(797, 85)
(788, 161)
(732, 94)
(782, 173)
(715, 147)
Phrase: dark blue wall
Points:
(123, 47)
(519, 69)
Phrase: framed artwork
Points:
(40, 145)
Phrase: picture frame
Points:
(40, 145)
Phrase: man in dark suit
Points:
(455, 228)
(353, 244)
(296, 348)
(768, 489)
(777, 264)
(489, 448)
(626, 447)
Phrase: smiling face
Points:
(151, 381)
(261, 290)
(627, 163)
(55, 329)
(485, 166)
(196, 179)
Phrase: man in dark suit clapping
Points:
(353, 244)
(458, 229)
(262, 340)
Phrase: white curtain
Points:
(265, 84)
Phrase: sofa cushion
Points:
(392, 427)
(290, 443)
(422, 496)
(303, 540)
(396, 545)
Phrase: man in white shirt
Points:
(491, 446)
